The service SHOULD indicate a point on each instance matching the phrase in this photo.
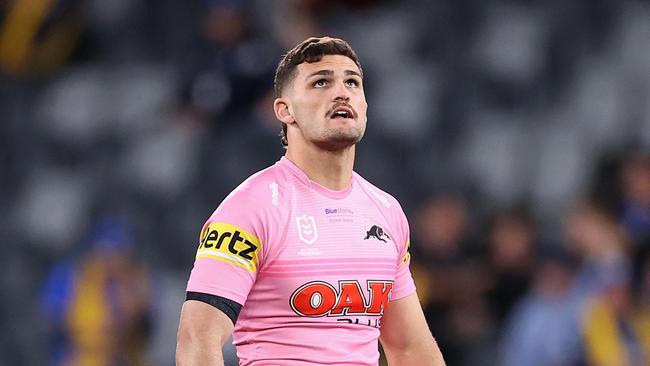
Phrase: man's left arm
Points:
(405, 335)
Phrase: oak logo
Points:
(319, 298)
(230, 243)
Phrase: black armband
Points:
(227, 306)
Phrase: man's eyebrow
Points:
(352, 72)
(331, 72)
(321, 72)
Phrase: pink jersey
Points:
(313, 268)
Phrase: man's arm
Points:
(405, 336)
(202, 332)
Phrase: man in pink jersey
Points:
(306, 263)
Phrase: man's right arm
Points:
(202, 332)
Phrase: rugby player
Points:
(306, 262)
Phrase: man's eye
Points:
(320, 83)
(352, 82)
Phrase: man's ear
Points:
(282, 112)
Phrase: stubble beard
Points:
(339, 139)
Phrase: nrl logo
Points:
(307, 228)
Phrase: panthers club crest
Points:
(378, 233)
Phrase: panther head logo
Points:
(378, 233)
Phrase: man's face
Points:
(327, 102)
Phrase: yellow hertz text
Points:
(230, 243)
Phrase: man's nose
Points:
(341, 93)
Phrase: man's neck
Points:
(331, 169)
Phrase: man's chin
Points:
(339, 141)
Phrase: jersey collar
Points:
(297, 172)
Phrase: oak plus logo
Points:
(307, 231)
(319, 298)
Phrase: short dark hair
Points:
(310, 50)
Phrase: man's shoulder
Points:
(261, 189)
(384, 198)
(390, 209)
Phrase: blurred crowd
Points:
(515, 133)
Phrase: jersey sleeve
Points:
(404, 284)
(230, 249)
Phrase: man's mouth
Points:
(342, 113)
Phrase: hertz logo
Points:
(230, 243)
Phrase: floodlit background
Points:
(515, 133)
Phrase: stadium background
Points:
(515, 134)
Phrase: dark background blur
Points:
(515, 134)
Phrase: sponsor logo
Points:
(307, 231)
(229, 243)
(378, 233)
(406, 256)
(377, 195)
(309, 252)
(274, 193)
(339, 215)
(338, 211)
(319, 298)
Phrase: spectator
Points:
(539, 330)
(231, 66)
(450, 281)
(595, 237)
(511, 253)
(38, 38)
(98, 304)
(614, 331)
(635, 185)
(598, 241)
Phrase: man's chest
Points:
(337, 262)
(338, 232)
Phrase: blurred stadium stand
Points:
(508, 129)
